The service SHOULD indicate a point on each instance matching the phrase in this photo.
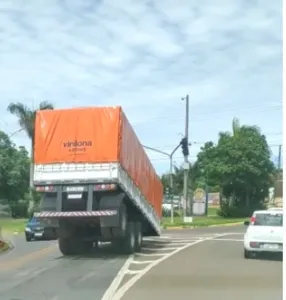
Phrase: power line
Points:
(272, 144)
(163, 158)
(209, 116)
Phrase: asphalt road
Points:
(22, 248)
(197, 264)
(212, 269)
(37, 270)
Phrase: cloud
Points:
(145, 56)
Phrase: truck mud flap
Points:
(113, 203)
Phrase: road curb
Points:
(5, 242)
(5, 246)
(195, 227)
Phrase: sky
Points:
(146, 56)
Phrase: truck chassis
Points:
(106, 207)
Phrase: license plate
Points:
(38, 234)
(74, 196)
(271, 246)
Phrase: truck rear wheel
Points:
(71, 246)
(129, 241)
(138, 236)
(65, 246)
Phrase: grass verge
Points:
(200, 222)
(13, 225)
(212, 211)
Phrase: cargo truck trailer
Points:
(96, 180)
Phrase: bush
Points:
(19, 209)
(237, 211)
(167, 213)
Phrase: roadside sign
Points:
(199, 202)
(199, 195)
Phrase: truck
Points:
(96, 180)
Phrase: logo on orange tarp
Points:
(77, 146)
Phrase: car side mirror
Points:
(246, 223)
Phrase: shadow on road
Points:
(269, 257)
(103, 252)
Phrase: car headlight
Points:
(28, 229)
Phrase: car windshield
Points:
(269, 219)
(33, 220)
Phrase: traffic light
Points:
(185, 146)
(168, 192)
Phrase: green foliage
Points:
(14, 171)
(167, 213)
(26, 116)
(238, 166)
(20, 176)
(239, 211)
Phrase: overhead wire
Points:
(165, 158)
(202, 143)
(208, 116)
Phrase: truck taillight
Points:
(104, 187)
(44, 188)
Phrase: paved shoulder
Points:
(23, 248)
(210, 269)
(54, 277)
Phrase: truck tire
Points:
(129, 241)
(71, 246)
(65, 246)
(138, 236)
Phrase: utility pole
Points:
(278, 179)
(171, 183)
(188, 211)
(279, 156)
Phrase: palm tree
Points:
(235, 127)
(26, 118)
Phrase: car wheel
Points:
(28, 238)
(248, 254)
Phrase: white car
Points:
(264, 233)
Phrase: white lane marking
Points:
(133, 272)
(159, 249)
(23, 273)
(87, 276)
(138, 262)
(151, 254)
(170, 243)
(122, 290)
(228, 240)
(108, 295)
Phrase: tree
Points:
(14, 172)
(240, 164)
(26, 118)
(178, 180)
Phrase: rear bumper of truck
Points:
(74, 214)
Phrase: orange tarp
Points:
(96, 135)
